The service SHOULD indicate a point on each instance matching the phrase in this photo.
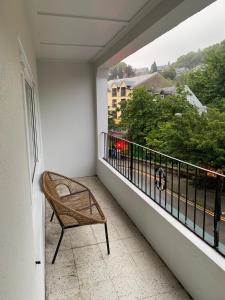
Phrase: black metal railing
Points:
(191, 194)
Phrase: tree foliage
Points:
(145, 112)
(153, 68)
(169, 72)
(194, 59)
(111, 120)
(208, 82)
(121, 70)
(173, 126)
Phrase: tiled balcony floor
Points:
(83, 270)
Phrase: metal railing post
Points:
(217, 210)
(131, 162)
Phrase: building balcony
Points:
(55, 58)
(84, 270)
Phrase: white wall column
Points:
(102, 108)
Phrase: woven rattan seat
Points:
(72, 203)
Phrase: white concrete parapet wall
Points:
(198, 267)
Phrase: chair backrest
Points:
(49, 189)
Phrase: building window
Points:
(114, 114)
(31, 127)
(122, 101)
(114, 103)
(123, 92)
(114, 93)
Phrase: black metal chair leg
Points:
(107, 238)
(57, 248)
(52, 216)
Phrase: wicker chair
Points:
(73, 204)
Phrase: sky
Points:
(197, 32)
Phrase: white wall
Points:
(101, 108)
(67, 102)
(20, 278)
(196, 265)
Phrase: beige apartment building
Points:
(120, 90)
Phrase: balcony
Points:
(53, 85)
(83, 270)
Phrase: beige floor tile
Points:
(117, 248)
(130, 297)
(132, 285)
(82, 236)
(99, 233)
(126, 230)
(88, 254)
(136, 244)
(51, 241)
(147, 260)
(92, 272)
(62, 281)
(63, 259)
(52, 227)
(160, 279)
(70, 294)
(64, 271)
(121, 266)
(103, 290)
(177, 294)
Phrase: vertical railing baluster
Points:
(186, 198)
(166, 181)
(138, 167)
(123, 145)
(142, 168)
(117, 152)
(150, 173)
(178, 205)
(205, 197)
(195, 199)
(114, 153)
(217, 209)
(146, 171)
(160, 178)
(171, 199)
(131, 162)
(125, 155)
(110, 149)
(155, 167)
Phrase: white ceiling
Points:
(79, 30)
(102, 30)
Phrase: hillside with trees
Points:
(208, 82)
(194, 59)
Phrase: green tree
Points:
(179, 135)
(129, 71)
(121, 70)
(169, 73)
(208, 82)
(153, 68)
(145, 112)
(136, 114)
(111, 120)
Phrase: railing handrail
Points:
(167, 156)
